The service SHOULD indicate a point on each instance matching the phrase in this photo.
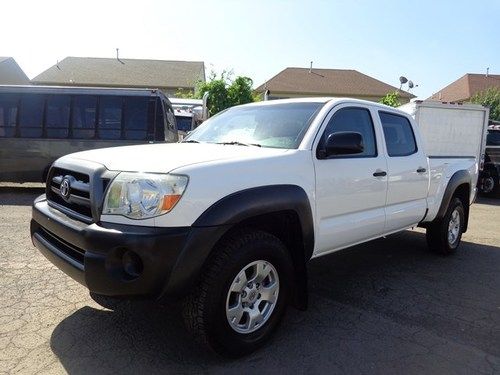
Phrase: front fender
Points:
(219, 218)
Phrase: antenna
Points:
(311, 67)
(118, 54)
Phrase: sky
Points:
(432, 43)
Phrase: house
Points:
(11, 73)
(303, 82)
(466, 87)
(169, 76)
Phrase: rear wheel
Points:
(489, 185)
(444, 236)
(242, 295)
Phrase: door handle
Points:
(380, 174)
(421, 170)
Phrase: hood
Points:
(165, 157)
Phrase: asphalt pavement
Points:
(385, 307)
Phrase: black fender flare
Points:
(459, 178)
(231, 210)
(262, 200)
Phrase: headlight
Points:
(143, 195)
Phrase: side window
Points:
(493, 138)
(353, 119)
(398, 134)
(83, 118)
(136, 118)
(8, 115)
(31, 115)
(57, 116)
(110, 117)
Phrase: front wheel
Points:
(445, 235)
(242, 295)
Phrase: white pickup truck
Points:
(228, 219)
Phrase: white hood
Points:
(165, 157)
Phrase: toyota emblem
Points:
(64, 188)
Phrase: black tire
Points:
(489, 186)
(204, 309)
(437, 235)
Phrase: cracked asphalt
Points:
(386, 307)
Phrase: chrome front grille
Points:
(70, 191)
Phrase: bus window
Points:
(31, 115)
(159, 121)
(8, 115)
(110, 117)
(57, 116)
(136, 118)
(84, 116)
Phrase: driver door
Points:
(350, 189)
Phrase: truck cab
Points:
(227, 220)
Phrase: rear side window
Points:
(8, 115)
(110, 117)
(493, 138)
(353, 120)
(57, 116)
(83, 117)
(136, 118)
(398, 134)
(31, 115)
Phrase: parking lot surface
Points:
(388, 306)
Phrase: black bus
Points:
(38, 124)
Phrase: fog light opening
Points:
(132, 264)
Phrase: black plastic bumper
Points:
(122, 260)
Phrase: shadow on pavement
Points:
(19, 195)
(386, 306)
(489, 201)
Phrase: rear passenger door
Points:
(350, 189)
(407, 173)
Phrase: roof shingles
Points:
(466, 87)
(91, 71)
(338, 82)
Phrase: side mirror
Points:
(344, 143)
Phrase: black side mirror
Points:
(344, 143)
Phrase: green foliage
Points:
(391, 99)
(489, 98)
(223, 92)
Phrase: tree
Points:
(489, 98)
(222, 91)
(391, 99)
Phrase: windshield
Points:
(277, 125)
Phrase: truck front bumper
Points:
(120, 260)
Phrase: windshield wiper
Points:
(190, 141)
(237, 143)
